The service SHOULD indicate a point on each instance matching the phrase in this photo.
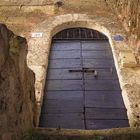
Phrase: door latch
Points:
(86, 70)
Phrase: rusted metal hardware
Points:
(87, 70)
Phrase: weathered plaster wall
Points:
(17, 98)
(24, 15)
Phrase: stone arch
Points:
(39, 47)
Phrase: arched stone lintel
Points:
(39, 50)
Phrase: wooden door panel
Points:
(64, 74)
(96, 84)
(68, 120)
(105, 124)
(103, 99)
(53, 85)
(96, 54)
(63, 106)
(102, 74)
(64, 95)
(65, 54)
(105, 113)
(98, 63)
(65, 63)
(66, 45)
(96, 46)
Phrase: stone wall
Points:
(25, 2)
(17, 99)
(128, 12)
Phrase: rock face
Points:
(128, 12)
(17, 99)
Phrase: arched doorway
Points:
(82, 88)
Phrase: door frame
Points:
(39, 47)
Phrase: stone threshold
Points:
(71, 134)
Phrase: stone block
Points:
(47, 9)
(16, 20)
(2, 19)
(127, 59)
(5, 8)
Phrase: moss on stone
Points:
(13, 43)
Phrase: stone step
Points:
(67, 134)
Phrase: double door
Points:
(82, 88)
